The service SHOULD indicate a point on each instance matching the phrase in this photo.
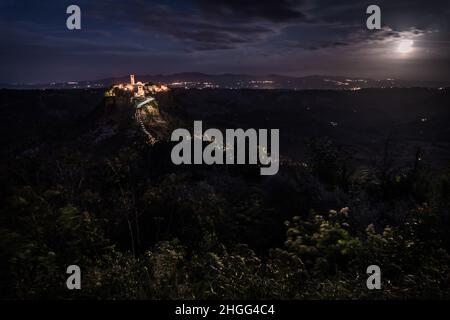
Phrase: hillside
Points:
(363, 178)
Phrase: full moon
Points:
(405, 46)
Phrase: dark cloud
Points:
(206, 33)
(221, 35)
(397, 14)
(323, 45)
(230, 24)
(280, 11)
(206, 25)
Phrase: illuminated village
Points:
(147, 114)
(136, 89)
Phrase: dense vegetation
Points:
(142, 228)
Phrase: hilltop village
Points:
(141, 96)
(135, 89)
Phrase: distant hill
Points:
(242, 81)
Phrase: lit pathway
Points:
(139, 104)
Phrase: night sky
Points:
(294, 38)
